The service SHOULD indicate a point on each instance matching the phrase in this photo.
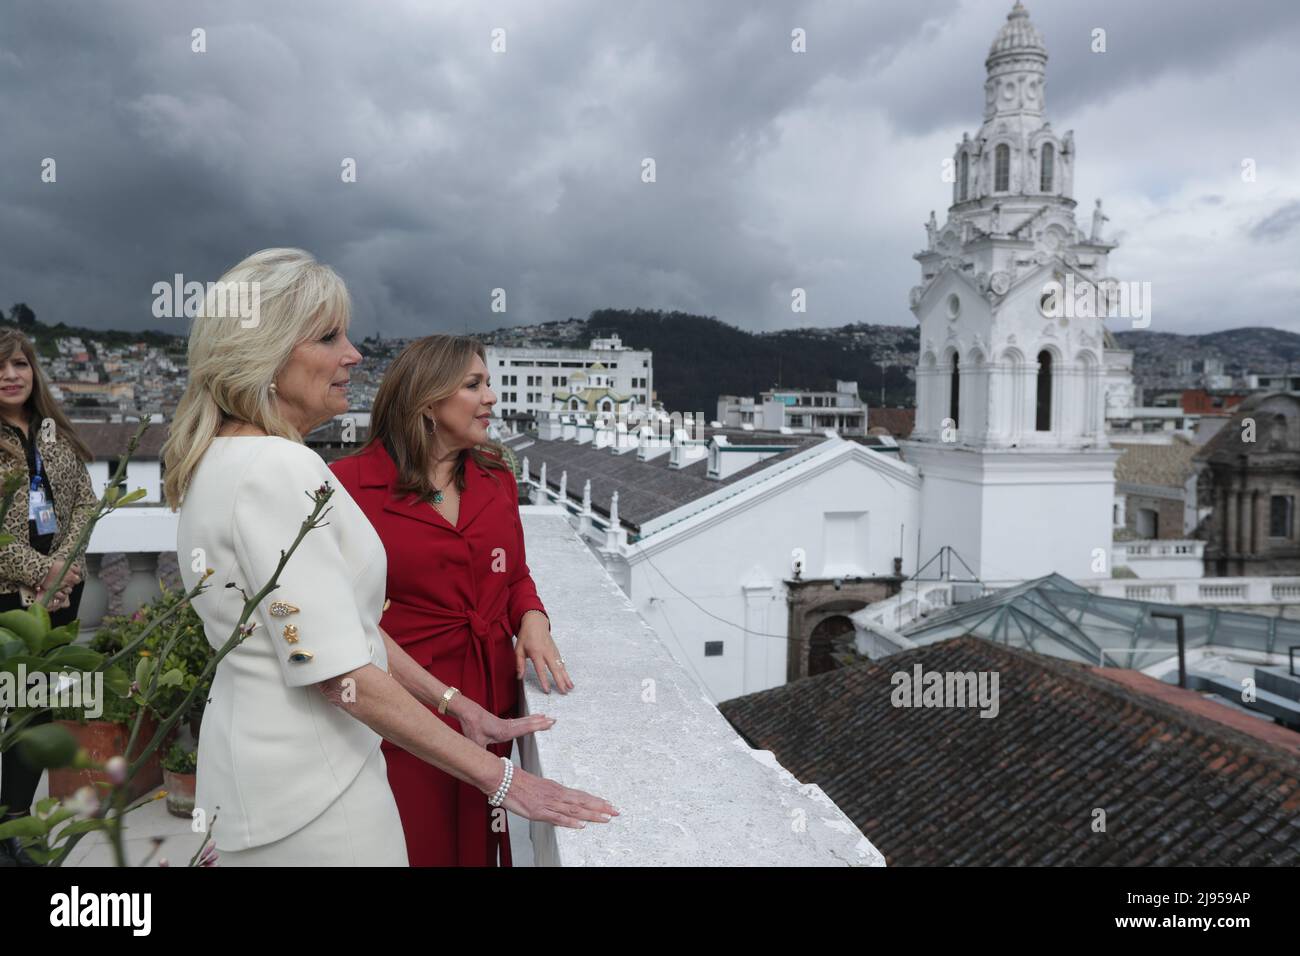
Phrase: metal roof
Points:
(1053, 615)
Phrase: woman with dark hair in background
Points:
(48, 514)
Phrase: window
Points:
(1002, 168)
(713, 648)
(963, 184)
(796, 421)
(954, 392)
(1281, 511)
(1049, 163)
(1148, 523)
(1043, 421)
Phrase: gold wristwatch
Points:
(447, 695)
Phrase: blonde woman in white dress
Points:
(289, 760)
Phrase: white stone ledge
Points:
(691, 792)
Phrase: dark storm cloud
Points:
(522, 170)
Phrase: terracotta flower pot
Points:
(104, 739)
(180, 793)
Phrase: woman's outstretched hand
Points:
(537, 798)
(486, 728)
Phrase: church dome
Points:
(1018, 35)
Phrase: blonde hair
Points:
(427, 371)
(40, 404)
(233, 359)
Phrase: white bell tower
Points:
(1010, 430)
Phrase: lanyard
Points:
(39, 473)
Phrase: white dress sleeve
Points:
(271, 501)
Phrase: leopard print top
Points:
(75, 503)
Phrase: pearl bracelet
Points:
(499, 797)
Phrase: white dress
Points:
(290, 778)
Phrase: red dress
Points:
(457, 597)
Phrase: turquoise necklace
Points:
(437, 492)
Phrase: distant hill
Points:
(1251, 349)
(698, 358)
(44, 336)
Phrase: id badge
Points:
(35, 501)
(46, 523)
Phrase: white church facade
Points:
(1010, 434)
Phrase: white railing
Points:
(638, 730)
(1160, 559)
(917, 599)
(1203, 591)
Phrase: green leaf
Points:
(28, 625)
(59, 636)
(47, 746)
(76, 657)
(57, 817)
(83, 826)
(172, 678)
(42, 857)
(33, 663)
(46, 805)
(143, 668)
(42, 616)
(133, 496)
(23, 827)
(116, 681)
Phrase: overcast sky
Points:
(522, 170)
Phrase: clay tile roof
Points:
(1167, 466)
(943, 786)
(107, 440)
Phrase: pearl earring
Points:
(273, 389)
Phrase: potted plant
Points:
(179, 768)
(109, 734)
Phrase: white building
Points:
(1273, 382)
(712, 548)
(798, 409)
(1010, 436)
(526, 380)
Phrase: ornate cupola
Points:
(1010, 233)
(1010, 400)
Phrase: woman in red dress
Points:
(447, 510)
